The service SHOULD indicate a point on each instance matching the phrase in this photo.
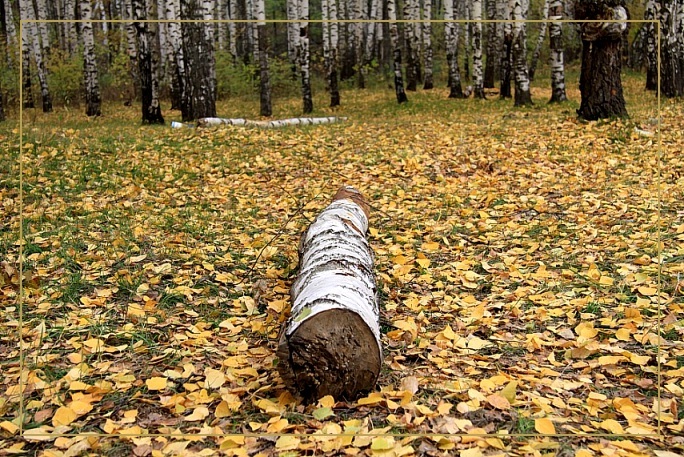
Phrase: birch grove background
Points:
(84, 63)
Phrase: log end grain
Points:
(332, 353)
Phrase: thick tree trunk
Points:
(451, 32)
(330, 345)
(672, 48)
(556, 56)
(264, 80)
(428, 82)
(90, 76)
(147, 65)
(522, 95)
(199, 98)
(600, 82)
(540, 40)
(478, 83)
(216, 121)
(506, 54)
(396, 51)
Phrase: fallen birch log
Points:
(213, 121)
(330, 345)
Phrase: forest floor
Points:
(524, 307)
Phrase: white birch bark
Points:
(293, 33)
(176, 58)
(102, 14)
(304, 56)
(217, 121)
(651, 14)
(232, 30)
(396, 51)
(427, 44)
(164, 42)
(556, 56)
(540, 40)
(11, 38)
(264, 79)
(357, 31)
(522, 83)
(90, 76)
(42, 15)
(452, 32)
(70, 26)
(411, 39)
(222, 14)
(478, 80)
(339, 352)
(131, 47)
(208, 15)
(31, 40)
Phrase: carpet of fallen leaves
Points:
(516, 251)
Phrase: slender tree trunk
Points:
(410, 13)
(176, 61)
(506, 54)
(600, 83)
(70, 27)
(304, 56)
(131, 51)
(147, 65)
(451, 32)
(90, 76)
(32, 37)
(396, 51)
(540, 40)
(360, 11)
(556, 56)
(232, 30)
(42, 15)
(478, 83)
(467, 28)
(522, 94)
(293, 35)
(264, 82)
(10, 29)
(330, 42)
(428, 82)
(494, 43)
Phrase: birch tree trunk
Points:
(540, 40)
(293, 35)
(556, 56)
(31, 41)
(412, 71)
(506, 51)
(131, 50)
(462, 5)
(330, 345)
(600, 80)
(478, 83)
(650, 14)
(671, 48)
(90, 76)
(264, 83)
(42, 15)
(199, 98)
(232, 30)
(494, 43)
(69, 15)
(208, 15)
(522, 95)
(396, 51)
(330, 43)
(451, 34)
(147, 65)
(10, 28)
(304, 57)
(359, 12)
(428, 82)
(176, 62)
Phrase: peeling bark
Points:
(451, 31)
(522, 95)
(478, 84)
(214, 121)
(330, 345)
(396, 52)
(556, 57)
(90, 76)
(147, 64)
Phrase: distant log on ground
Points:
(211, 121)
(330, 345)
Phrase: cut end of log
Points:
(332, 353)
(350, 193)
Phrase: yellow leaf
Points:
(222, 410)
(198, 414)
(287, 443)
(277, 426)
(63, 416)
(612, 426)
(213, 379)
(449, 333)
(606, 281)
(267, 406)
(156, 383)
(498, 401)
(9, 427)
(444, 407)
(544, 426)
(477, 343)
(471, 452)
(327, 402)
(423, 262)
(508, 392)
(584, 453)
(80, 407)
(610, 359)
(430, 246)
(372, 399)
(623, 334)
(647, 291)
(382, 443)
(586, 330)
(639, 359)
(138, 258)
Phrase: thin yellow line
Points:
(21, 228)
(659, 237)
